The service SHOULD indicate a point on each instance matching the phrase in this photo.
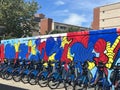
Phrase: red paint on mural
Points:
(73, 37)
(2, 56)
(64, 54)
(16, 57)
(100, 47)
(118, 31)
(81, 37)
(117, 48)
(42, 46)
(29, 51)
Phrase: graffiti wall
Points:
(92, 46)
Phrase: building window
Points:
(103, 11)
(103, 20)
(57, 27)
(62, 27)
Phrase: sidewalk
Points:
(12, 85)
(22, 86)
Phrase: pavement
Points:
(12, 85)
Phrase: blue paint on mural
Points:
(23, 50)
(9, 51)
(107, 35)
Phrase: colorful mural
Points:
(92, 46)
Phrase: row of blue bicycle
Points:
(53, 73)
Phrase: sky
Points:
(75, 12)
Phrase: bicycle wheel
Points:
(98, 87)
(24, 78)
(16, 76)
(42, 81)
(69, 83)
(1, 69)
(81, 83)
(32, 79)
(80, 87)
(7, 75)
(53, 83)
(2, 75)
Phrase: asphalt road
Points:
(12, 85)
(8, 87)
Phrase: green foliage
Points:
(17, 17)
(57, 31)
(71, 29)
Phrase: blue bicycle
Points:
(8, 72)
(28, 68)
(84, 78)
(42, 76)
(57, 77)
(70, 77)
(3, 65)
(101, 82)
(17, 73)
(38, 67)
(115, 77)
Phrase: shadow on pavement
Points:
(7, 87)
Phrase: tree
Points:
(70, 29)
(18, 17)
(73, 29)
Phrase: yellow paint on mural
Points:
(33, 49)
(52, 57)
(108, 65)
(30, 43)
(91, 65)
(45, 64)
(110, 52)
(16, 45)
(64, 41)
(69, 55)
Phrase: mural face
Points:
(92, 46)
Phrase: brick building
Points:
(46, 25)
(107, 16)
